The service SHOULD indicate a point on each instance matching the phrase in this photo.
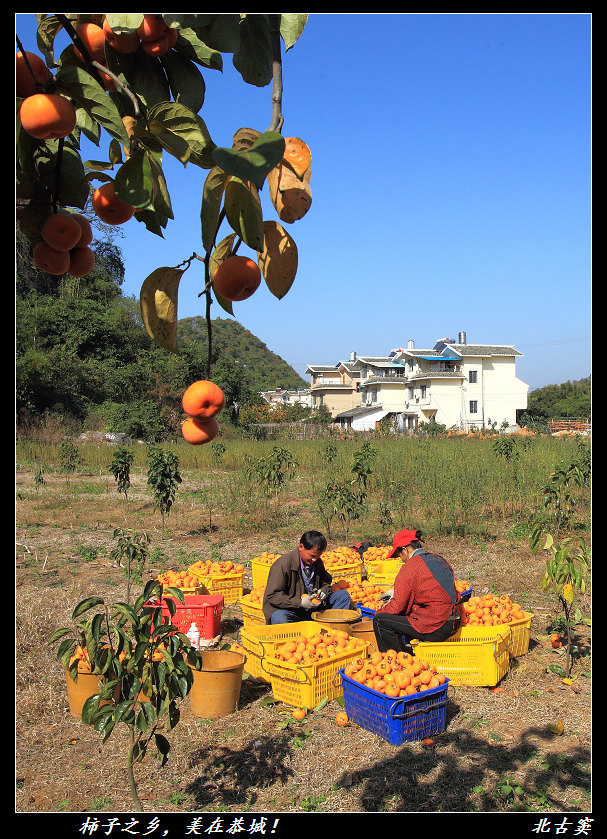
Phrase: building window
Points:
(472, 377)
(422, 391)
(411, 392)
(473, 406)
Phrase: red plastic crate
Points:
(202, 609)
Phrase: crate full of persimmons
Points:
(223, 577)
(395, 696)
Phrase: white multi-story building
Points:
(456, 384)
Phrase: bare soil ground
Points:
(249, 761)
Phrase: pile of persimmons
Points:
(394, 673)
(214, 568)
(490, 610)
(266, 558)
(309, 649)
(338, 557)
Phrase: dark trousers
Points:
(390, 629)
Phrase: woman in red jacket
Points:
(424, 600)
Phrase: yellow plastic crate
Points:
(252, 613)
(196, 590)
(254, 658)
(305, 685)
(472, 656)
(349, 572)
(260, 571)
(520, 629)
(383, 573)
(521, 632)
(231, 585)
(261, 641)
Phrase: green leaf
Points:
(147, 709)
(185, 80)
(59, 633)
(190, 45)
(144, 74)
(252, 164)
(120, 22)
(291, 27)
(243, 212)
(85, 605)
(73, 190)
(45, 37)
(182, 133)
(134, 183)
(163, 746)
(126, 610)
(221, 32)
(90, 96)
(253, 59)
(212, 195)
(89, 709)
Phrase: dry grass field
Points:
(498, 752)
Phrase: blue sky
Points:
(451, 186)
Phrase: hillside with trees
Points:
(265, 369)
(84, 356)
(569, 400)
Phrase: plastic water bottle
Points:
(193, 635)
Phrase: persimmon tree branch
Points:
(277, 116)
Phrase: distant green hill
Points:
(265, 369)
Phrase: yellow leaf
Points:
(158, 301)
(567, 681)
(556, 728)
(279, 258)
(568, 593)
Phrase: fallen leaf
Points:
(556, 728)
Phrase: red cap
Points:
(404, 538)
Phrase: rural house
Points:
(283, 398)
(456, 384)
(336, 386)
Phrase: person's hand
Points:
(306, 602)
(387, 595)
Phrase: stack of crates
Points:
(229, 584)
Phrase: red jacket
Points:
(419, 595)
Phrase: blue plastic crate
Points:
(367, 614)
(400, 720)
